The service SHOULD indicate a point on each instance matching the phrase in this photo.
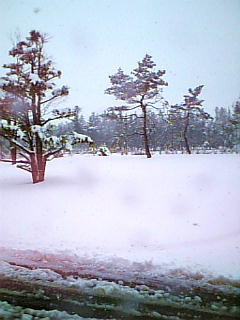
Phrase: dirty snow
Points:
(101, 288)
(8, 311)
(173, 210)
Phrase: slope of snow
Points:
(173, 210)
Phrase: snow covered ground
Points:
(178, 211)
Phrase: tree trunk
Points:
(38, 166)
(185, 134)
(34, 169)
(13, 151)
(41, 168)
(40, 159)
(145, 136)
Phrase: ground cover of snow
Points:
(173, 210)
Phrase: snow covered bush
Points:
(103, 151)
(25, 121)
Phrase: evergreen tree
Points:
(235, 121)
(31, 79)
(191, 107)
(223, 129)
(139, 90)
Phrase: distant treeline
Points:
(165, 131)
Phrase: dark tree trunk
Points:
(145, 136)
(185, 134)
(13, 151)
(40, 159)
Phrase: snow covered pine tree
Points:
(30, 126)
(191, 107)
(140, 90)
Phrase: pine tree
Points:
(30, 79)
(140, 90)
(191, 107)
(236, 124)
(120, 130)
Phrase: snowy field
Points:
(177, 211)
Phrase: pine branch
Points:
(56, 118)
(24, 168)
(24, 156)
(52, 153)
(17, 161)
(50, 99)
(152, 106)
(130, 108)
(17, 144)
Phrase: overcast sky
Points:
(195, 41)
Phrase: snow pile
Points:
(178, 211)
(23, 273)
(103, 151)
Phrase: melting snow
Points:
(7, 311)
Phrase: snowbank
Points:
(173, 210)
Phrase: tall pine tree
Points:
(140, 90)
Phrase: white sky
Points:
(195, 41)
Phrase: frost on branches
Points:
(29, 89)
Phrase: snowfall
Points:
(171, 210)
